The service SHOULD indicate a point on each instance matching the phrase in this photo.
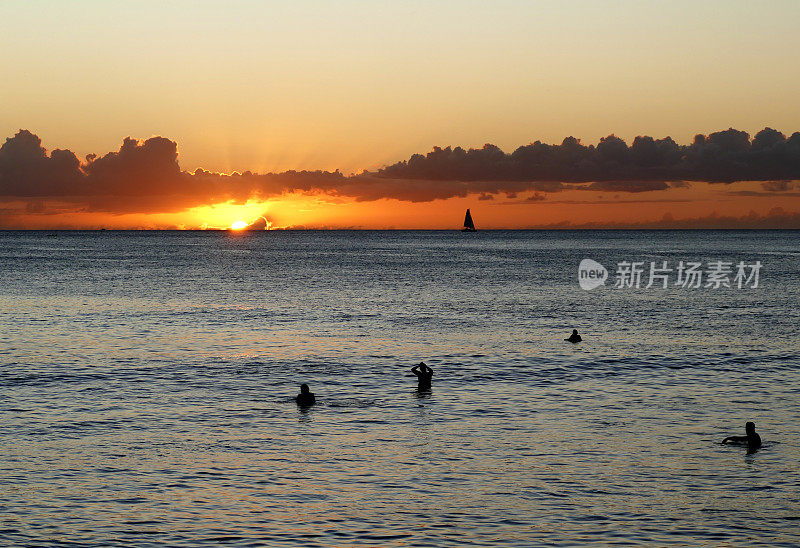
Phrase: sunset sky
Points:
(260, 87)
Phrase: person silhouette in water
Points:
(574, 338)
(424, 375)
(305, 398)
(752, 440)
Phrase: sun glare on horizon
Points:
(238, 225)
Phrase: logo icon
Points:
(591, 274)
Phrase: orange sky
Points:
(266, 87)
(702, 205)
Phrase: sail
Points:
(468, 224)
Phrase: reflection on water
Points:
(148, 384)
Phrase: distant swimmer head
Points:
(305, 397)
(750, 427)
(574, 338)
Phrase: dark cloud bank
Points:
(775, 218)
(145, 177)
(612, 165)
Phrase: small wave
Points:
(353, 403)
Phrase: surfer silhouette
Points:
(574, 338)
(305, 398)
(751, 439)
(424, 375)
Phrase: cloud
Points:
(541, 197)
(535, 197)
(776, 218)
(783, 189)
(141, 177)
(626, 186)
(146, 177)
(758, 194)
(721, 157)
(680, 184)
(779, 186)
(26, 170)
(259, 224)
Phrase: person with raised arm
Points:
(424, 375)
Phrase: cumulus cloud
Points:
(145, 176)
(141, 177)
(26, 170)
(721, 157)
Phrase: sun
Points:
(238, 225)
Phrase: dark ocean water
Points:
(147, 382)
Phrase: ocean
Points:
(148, 381)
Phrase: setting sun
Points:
(238, 225)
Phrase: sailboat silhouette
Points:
(469, 226)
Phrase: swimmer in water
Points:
(574, 338)
(752, 440)
(305, 398)
(424, 375)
